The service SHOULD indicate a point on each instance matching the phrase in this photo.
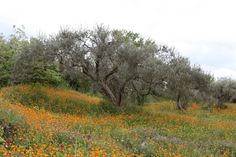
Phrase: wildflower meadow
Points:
(45, 125)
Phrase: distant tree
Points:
(34, 64)
(18, 39)
(223, 90)
(109, 58)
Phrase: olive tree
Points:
(223, 90)
(185, 79)
(109, 58)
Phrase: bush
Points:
(34, 65)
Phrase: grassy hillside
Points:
(51, 99)
(58, 122)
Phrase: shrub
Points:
(34, 65)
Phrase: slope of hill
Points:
(56, 100)
(58, 122)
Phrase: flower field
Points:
(59, 122)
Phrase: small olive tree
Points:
(223, 90)
(184, 79)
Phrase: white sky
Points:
(203, 30)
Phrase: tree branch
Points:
(114, 70)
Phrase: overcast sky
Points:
(203, 30)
